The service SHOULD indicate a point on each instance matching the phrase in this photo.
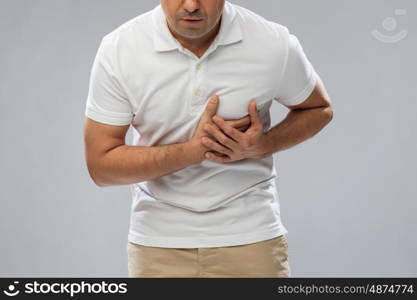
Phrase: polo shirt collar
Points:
(163, 40)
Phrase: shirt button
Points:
(198, 93)
(198, 66)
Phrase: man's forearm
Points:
(131, 164)
(298, 126)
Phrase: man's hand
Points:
(234, 145)
(198, 149)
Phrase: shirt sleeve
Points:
(107, 100)
(299, 77)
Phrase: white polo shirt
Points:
(143, 76)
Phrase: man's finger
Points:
(239, 122)
(218, 158)
(222, 127)
(243, 129)
(211, 107)
(254, 115)
(213, 145)
(220, 136)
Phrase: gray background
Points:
(348, 195)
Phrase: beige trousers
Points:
(267, 258)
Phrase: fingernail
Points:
(213, 99)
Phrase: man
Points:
(195, 80)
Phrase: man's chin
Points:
(189, 35)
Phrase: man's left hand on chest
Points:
(234, 144)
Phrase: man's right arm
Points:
(111, 162)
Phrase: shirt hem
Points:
(206, 242)
(304, 94)
(91, 113)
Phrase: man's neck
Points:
(199, 45)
